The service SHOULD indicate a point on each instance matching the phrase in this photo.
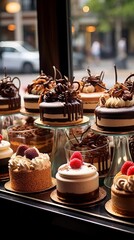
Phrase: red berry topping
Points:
(1, 138)
(77, 154)
(31, 153)
(75, 163)
(130, 170)
(125, 167)
(21, 149)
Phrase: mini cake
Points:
(77, 182)
(115, 111)
(5, 154)
(61, 106)
(39, 86)
(91, 88)
(122, 190)
(10, 100)
(29, 170)
(27, 133)
(95, 149)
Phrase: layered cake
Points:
(29, 170)
(122, 190)
(40, 85)
(77, 181)
(95, 149)
(62, 106)
(27, 133)
(5, 154)
(91, 88)
(10, 100)
(115, 111)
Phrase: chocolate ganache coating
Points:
(8, 87)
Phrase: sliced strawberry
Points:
(130, 170)
(77, 154)
(125, 166)
(75, 163)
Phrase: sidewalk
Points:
(107, 66)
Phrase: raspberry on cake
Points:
(122, 190)
(115, 110)
(91, 88)
(10, 100)
(29, 170)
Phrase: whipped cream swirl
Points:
(19, 163)
(125, 183)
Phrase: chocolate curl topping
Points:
(115, 69)
(8, 88)
(55, 73)
(94, 80)
(130, 83)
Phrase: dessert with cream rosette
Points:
(122, 190)
(40, 85)
(91, 88)
(77, 181)
(61, 105)
(10, 100)
(29, 170)
(5, 154)
(115, 111)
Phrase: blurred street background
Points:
(105, 65)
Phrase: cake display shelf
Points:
(60, 138)
(121, 152)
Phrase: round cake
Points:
(40, 85)
(115, 111)
(61, 106)
(91, 89)
(27, 133)
(77, 182)
(122, 190)
(10, 100)
(29, 170)
(5, 154)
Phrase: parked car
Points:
(18, 56)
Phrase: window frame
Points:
(54, 36)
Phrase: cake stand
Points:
(121, 152)
(57, 155)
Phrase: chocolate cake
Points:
(10, 100)
(115, 111)
(61, 105)
(40, 85)
(91, 88)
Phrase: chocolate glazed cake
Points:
(10, 99)
(115, 111)
(62, 105)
